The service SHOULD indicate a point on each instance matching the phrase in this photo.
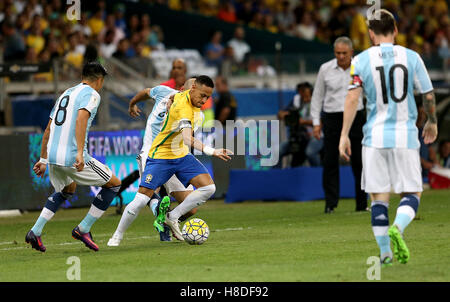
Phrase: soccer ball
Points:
(195, 231)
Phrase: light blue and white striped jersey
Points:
(62, 144)
(388, 75)
(161, 94)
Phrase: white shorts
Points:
(94, 173)
(172, 185)
(385, 170)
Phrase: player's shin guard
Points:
(194, 199)
(130, 212)
(49, 210)
(380, 226)
(98, 207)
(406, 211)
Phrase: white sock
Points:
(130, 213)
(193, 200)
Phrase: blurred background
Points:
(257, 51)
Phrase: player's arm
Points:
(191, 141)
(142, 95)
(430, 130)
(80, 136)
(40, 167)
(350, 108)
(316, 102)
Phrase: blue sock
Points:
(380, 227)
(99, 206)
(86, 224)
(406, 211)
(50, 208)
(39, 225)
(154, 202)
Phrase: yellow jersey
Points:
(168, 144)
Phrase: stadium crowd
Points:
(38, 30)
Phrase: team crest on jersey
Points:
(148, 178)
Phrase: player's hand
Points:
(39, 169)
(345, 149)
(223, 154)
(79, 162)
(316, 131)
(134, 111)
(429, 132)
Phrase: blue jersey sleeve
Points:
(421, 78)
(160, 92)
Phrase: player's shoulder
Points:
(88, 91)
(162, 89)
(328, 64)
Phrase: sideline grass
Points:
(250, 241)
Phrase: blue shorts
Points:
(158, 171)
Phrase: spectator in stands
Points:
(82, 25)
(245, 13)
(177, 74)
(240, 48)
(285, 18)
(35, 38)
(444, 153)
(359, 33)
(96, 23)
(227, 12)
(107, 47)
(110, 25)
(75, 55)
(133, 25)
(306, 29)
(13, 43)
(329, 95)
(119, 14)
(268, 23)
(208, 7)
(124, 51)
(225, 103)
(214, 51)
(298, 119)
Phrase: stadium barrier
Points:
(295, 184)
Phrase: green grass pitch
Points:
(250, 241)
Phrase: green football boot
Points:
(161, 210)
(401, 251)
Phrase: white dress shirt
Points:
(330, 90)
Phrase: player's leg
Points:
(96, 174)
(180, 196)
(141, 159)
(380, 226)
(356, 136)
(190, 170)
(64, 189)
(408, 179)
(154, 175)
(177, 190)
(375, 178)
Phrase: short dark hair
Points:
(304, 85)
(382, 22)
(205, 80)
(93, 71)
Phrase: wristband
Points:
(43, 160)
(208, 150)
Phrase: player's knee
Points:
(208, 190)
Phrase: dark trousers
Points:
(332, 126)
